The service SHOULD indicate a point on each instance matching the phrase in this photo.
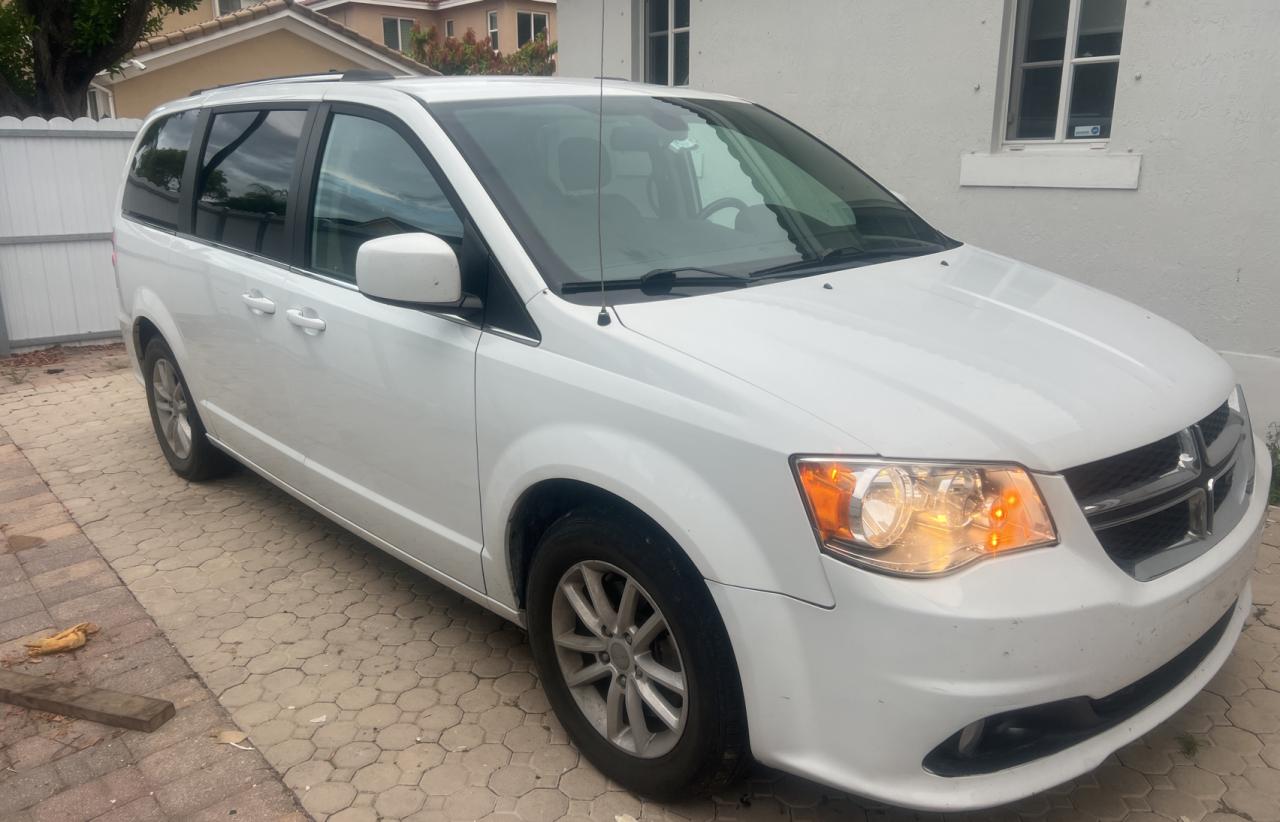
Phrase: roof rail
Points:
(350, 75)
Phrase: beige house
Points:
(508, 24)
(203, 48)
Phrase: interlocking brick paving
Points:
(380, 694)
(58, 768)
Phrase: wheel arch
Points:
(544, 502)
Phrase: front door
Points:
(382, 395)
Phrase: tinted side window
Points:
(244, 180)
(154, 183)
(371, 184)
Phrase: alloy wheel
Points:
(619, 658)
(172, 409)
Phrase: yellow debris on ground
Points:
(70, 639)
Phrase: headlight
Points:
(921, 519)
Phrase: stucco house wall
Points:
(366, 18)
(272, 54)
(906, 88)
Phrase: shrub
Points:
(470, 55)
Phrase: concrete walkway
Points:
(379, 694)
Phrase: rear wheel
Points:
(634, 656)
(178, 428)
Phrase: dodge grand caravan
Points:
(768, 466)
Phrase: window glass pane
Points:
(390, 33)
(524, 28)
(371, 184)
(655, 63)
(448, 28)
(1093, 97)
(540, 25)
(682, 59)
(244, 180)
(657, 10)
(1101, 27)
(406, 34)
(1042, 29)
(682, 14)
(493, 30)
(155, 175)
(1034, 115)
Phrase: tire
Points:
(181, 435)
(710, 749)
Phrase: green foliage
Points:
(50, 51)
(1273, 446)
(471, 56)
(16, 65)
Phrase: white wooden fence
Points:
(58, 182)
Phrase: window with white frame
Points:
(448, 28)
(666, 42)
(493, 30)
(530, 25)
(397, 32)
(1064, 68)
(98, 103)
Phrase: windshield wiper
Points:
(845, 253)
(662, 280)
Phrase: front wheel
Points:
(634, 657)
(178, 428)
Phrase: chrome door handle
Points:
(258, 303)
(301, 320)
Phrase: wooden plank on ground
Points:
(137, 713)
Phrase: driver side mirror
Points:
(416, 268)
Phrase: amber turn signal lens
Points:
(828, 486)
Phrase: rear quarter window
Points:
(154, 185)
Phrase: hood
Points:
(961, 355)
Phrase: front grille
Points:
(1222, 489)
(1142, 537)
(1136, 467)
(1159, 506)
(1211, 427)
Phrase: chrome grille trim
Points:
(1216, 460)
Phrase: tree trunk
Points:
(60, 101)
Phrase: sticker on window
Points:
(1087, 131)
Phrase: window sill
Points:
(1058, 169)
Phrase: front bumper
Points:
(856, 696)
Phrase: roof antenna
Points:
(602, 318)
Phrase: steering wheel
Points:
(722, 203)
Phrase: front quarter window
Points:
(726, 189)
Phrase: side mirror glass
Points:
(409, 268)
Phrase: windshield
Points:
(696, 195)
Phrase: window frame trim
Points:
(532, 34)
(195, 157)
(1009, 63)
(448, 28)
(670, 33)
(491, 20)
(399, 34)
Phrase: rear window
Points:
(243, 185)
(154, 183)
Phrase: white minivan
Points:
(767, 466)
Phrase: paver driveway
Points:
(378, 693)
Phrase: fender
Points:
(777, 552)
